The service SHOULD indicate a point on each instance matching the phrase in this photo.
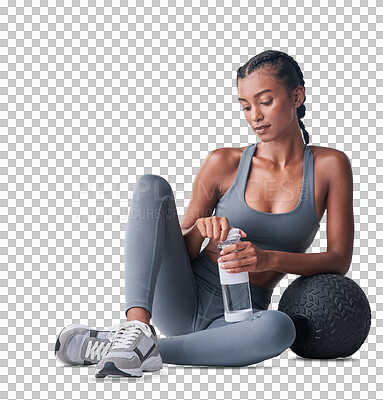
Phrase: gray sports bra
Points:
(293, 231)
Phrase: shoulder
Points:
(223, 152)
(223, 165)
(331, 162)
(226, 158)
(328, 154)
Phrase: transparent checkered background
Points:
(94, 94)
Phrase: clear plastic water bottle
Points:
(235, 286)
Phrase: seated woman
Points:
(275, 191)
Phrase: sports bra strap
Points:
(244, 164)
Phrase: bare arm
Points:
(193, 241)
(306, 264)
(203, 199)
(340, 228)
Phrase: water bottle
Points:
(235, 286)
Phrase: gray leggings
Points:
(184, 297)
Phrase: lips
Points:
(261, 129)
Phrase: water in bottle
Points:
(235, 286)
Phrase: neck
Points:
(282, 152)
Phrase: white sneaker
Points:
(133, 350)
(81, 345)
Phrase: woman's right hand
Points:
(215, 228)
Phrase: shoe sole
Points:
(58, 343)
(150, 365)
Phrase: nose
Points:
(256, 115)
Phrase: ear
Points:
(299, 95)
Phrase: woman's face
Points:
(266, 102)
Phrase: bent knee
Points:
(153, 178)
(280, 329)
(154, 184)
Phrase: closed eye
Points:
(265, 103)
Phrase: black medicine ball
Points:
(331, 314)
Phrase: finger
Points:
(225, 250)
(236, 270)
(202, 229)
(209, 229)
(234, 255)
(237, 266)
(216, 229)
(234, 267)
(225, 230)
(233, 247)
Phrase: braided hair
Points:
(284, 69)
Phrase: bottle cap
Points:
(233, 234)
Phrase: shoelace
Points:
(96, 350)
(124, 334)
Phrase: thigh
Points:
(263, 335)
(175, 298)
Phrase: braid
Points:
(301, 111)
(282, 72)
(302, 126)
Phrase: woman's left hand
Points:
(252, 258)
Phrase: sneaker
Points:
(133, 350)
(81, 345)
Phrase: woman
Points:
(275, 191)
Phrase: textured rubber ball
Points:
(331, 314)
